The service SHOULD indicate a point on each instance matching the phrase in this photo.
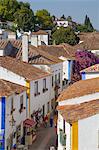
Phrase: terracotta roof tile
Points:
(3, 44)
(80, 88)
(23, 69)
(94, 68)
(73, 113)
(90, 41)
(38, 56)
(40, 32)
(9, 88)
(64, 50)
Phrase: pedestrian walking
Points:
(51, 121)
(45, 121)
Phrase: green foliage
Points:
(63, 17)
(43, 19)
(24, 19)
(86, 27)
(65, 35)
(88, 24)
(18, 12)
(69, 18)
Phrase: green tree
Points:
(88, 24)
(69, 18)
(18, 12)
(63, 17)
(44, 19)
(24, 17)
(9, 7)
(65, 35)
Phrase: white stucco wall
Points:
(88, 130)
(66, 68)
(12, 36)
(37, 39)
(62, 23)
(95, 51)
(42, 99)
(53, 69)
(12, 77)
(18, 117)
(67, 132)
(81, 99)
(91, 75)
(43, 38)
(56, 69)
(1, 52)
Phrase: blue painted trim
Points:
(3, 113)
(69, 69)
(83, 74)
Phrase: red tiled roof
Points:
(73, 113)
(40, 32)
(9, 88)
(3, 44)
(23, 69)
(64, 50)
(94, 68)
(80, 88)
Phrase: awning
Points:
(29, 123)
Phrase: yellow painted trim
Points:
(75, 136)
(28, 93)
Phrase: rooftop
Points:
(40, 32)
(38, 56)
(94, 68)
(21, 68)
(3, 44)
(9, 88)
(80, 88)
(64, 50)
(90, 41)
(73, 113)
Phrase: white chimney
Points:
(34, 40)
(25, 47)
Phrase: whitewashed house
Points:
(11, 35)
(39, 38)
(13, 113)
(49, 63)
(90, 72)
(62, 23)
(36, 80)
(64, 53)
(78, 116)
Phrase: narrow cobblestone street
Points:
(46, 137)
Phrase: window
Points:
(48, 107)
(59, 78)
(44, 86)
(12, 105)
(52, 81)
(64, 126)
(44, 83)
(55, 78)
(36, 87)
(21, 102)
